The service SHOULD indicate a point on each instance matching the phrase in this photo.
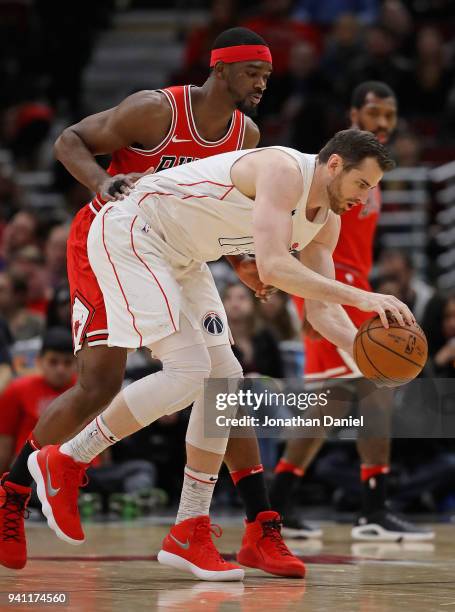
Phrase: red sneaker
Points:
(58, 478)
(13, 507)
(189, 547)
(263, 548)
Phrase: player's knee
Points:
(228, 369)
(224, 363)
(193, 369)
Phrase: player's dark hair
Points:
(57, 339)
(378, 88)
(353, 146)
(238, 36)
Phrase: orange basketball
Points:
(391, 356)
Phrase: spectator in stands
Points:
(21, 231)
(276, 25)
(6, 370)
(380, 62)
(407, 149)
(432, 76)
(442, 354)
(59, 309)
(396, 18)
(255, 347)
(55, 255)
(28, 266)
(26, 398)
(13, 298)
(279, 316)
(302, 96)
(397, 268)
(344, 44)
(30, 124)
(325, 13)
(223, 15)
(10, 193)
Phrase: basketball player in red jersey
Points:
(150, 130)
(373, 108)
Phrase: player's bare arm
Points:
(142, 120)
(275, 182)
(330, 320)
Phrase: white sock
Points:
(197, 492)
(90, 442)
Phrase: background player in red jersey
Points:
(149, 130)
(373, 108)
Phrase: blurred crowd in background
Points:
(321, 50)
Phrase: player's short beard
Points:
(334, 195)
(246, 109)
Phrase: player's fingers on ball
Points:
(383, 316)
(129, 180)
(398, 316)
(405, 312)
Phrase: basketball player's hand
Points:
(386, 305)
(309, 331)
(118, 186)
(248, 273)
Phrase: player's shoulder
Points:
(252, 134)
(150, 102)
(331, 228)
(332, 224)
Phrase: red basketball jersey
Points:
(354, 250)
(182, 143)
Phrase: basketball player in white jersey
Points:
(149, 256)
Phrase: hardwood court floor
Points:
(115, 570)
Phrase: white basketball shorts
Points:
(143, 293)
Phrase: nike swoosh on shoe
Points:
(52, 491)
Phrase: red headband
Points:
(241, 53)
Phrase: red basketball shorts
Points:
(88, 318)
(322, 358)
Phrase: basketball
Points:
(392, 356)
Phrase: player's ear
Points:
(335, 163)
(220, 70)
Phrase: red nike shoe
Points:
(13, 508)
(189, 547)
(58, 478)
(263, 547)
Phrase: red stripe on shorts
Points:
(151, 272)
(118, 281)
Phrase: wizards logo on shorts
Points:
(213, 324)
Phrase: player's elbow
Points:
(63, 143)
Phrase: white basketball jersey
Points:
(200, 214)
